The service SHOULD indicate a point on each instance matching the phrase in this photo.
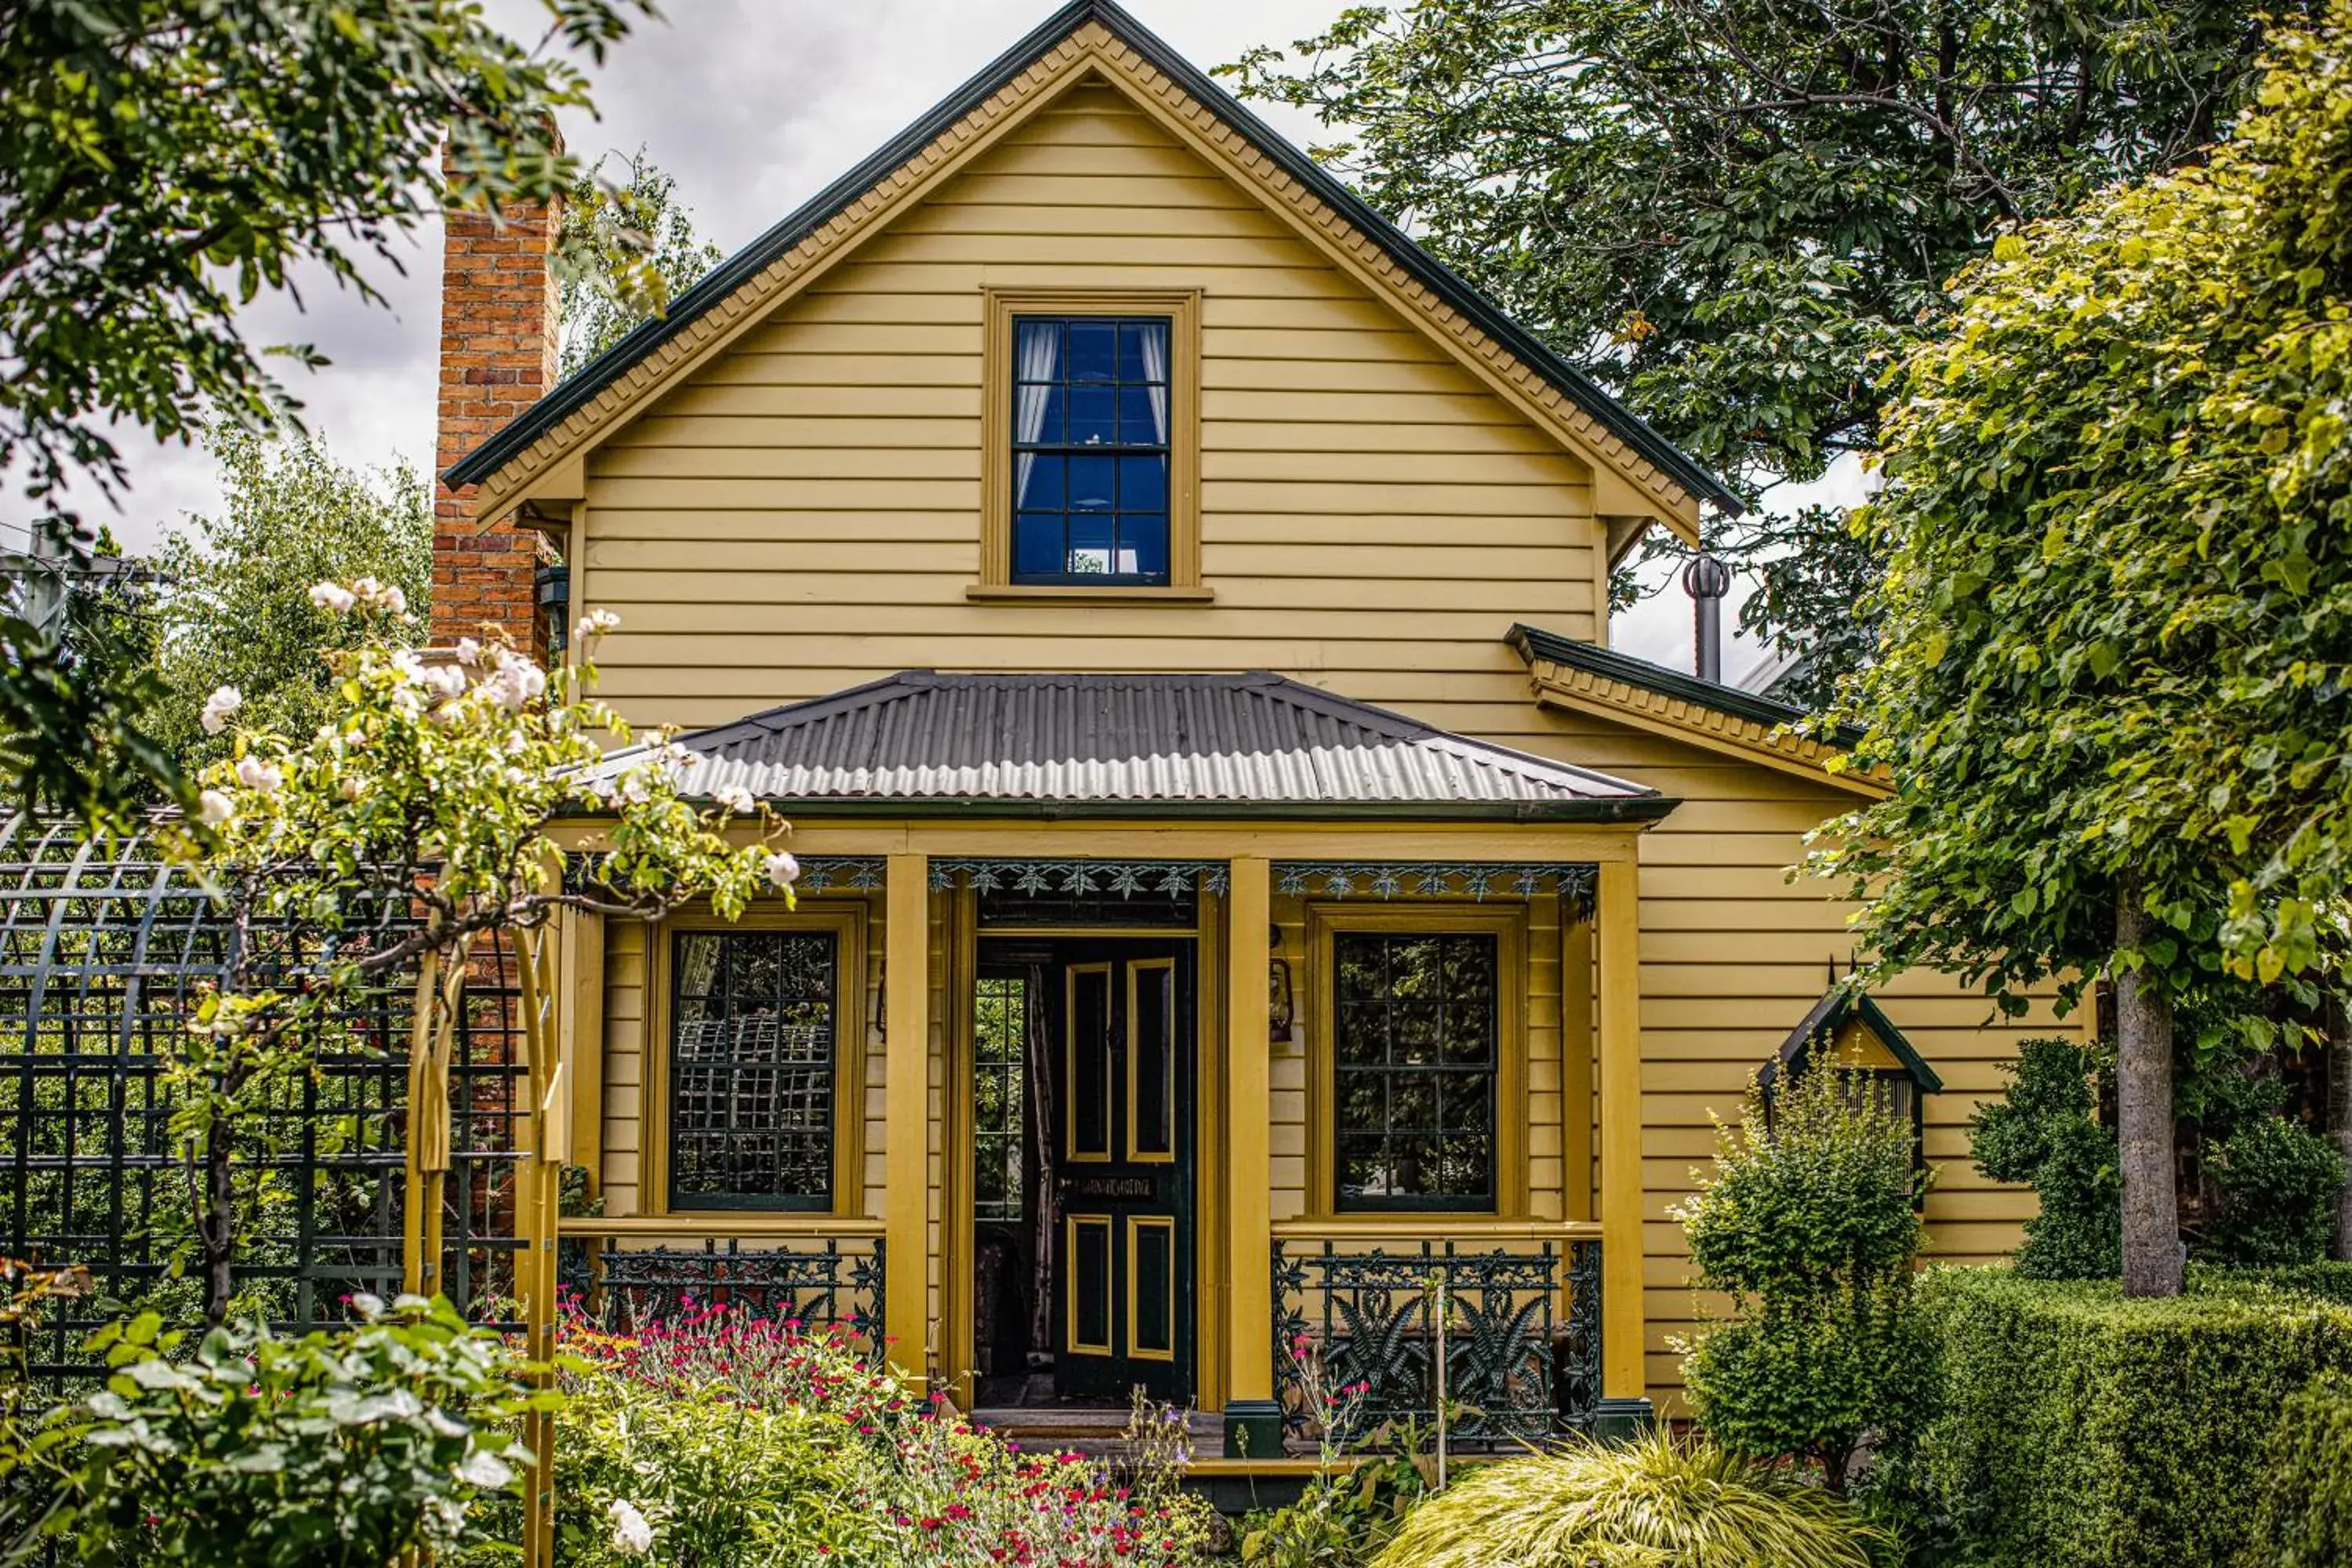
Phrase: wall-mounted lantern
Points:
(1279, 1001)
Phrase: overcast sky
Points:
(754, 105)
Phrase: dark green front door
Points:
(1122, 1062)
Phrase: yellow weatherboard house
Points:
(1246, 907)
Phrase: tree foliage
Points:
(411, 823)
(2116, 506)
(233, 600)
(1809, 1225)
(164, 162)
(624, 224)
(2119, 602)
(1732, 213)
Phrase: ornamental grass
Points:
(1654, 1503)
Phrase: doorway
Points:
(1083, 1134)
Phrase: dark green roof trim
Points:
(1534, 643)
(1829, 1016)
(806, 809)
(574, 391)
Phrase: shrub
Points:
(736, 1439)
(2046, 1134)
(2077, 1429)
(336, 1450)
(2327, 1282)
(2305, 1517)
(1652, 1503)
(1810, 1225)
(2278, 1182)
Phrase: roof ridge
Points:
(578, 389)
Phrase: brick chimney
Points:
(499, 336)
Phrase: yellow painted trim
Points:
(1137, 1224)
(1182, 309)
(1204, 839)
(1070, 1224)
(1070, 1151)
(583, 1026)
(906, 1048)
(959, 1361)
(1092, 53)
(1136, 1153)
(1622, 1374)
(1729, 734)
(846, 920)
(1209, 1162)
(1577, 1106)
(1411, 1225)
(1507, 924)
(1249, 1128)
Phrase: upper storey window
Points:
(1090, 426)
(1092, 442)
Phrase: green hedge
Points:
(2081, 1430)
(2305, 1519)
(2327, 1282)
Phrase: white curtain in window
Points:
(1155, 370)
(1038, 342)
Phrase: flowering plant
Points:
(415, 821)
(737, 1438)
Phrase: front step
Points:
(1096, 1433)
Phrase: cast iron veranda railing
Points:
(621, 1289)
(1521, 1365)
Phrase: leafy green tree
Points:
(1810, 1223)
(620, 224)
(2119, 602)
(163, 162)
(428, 792)
(233, 600)
(1733, 212)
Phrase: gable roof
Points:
(1125, 745)
(1831, 1013)
(842, 200)
(1578, 675)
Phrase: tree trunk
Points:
(2144, 1115)
(2339, 1121)
(216, 1223)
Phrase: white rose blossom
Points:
(596, 624)
(213, 809)
(220, 708)
(333, 597)
(782, 869)
(444, 681)
(734, 798)
(258, 775)
(632, 1536)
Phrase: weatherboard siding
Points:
(802, 514)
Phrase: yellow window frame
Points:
(1182, 309)
(846, 921)
(1507, 924)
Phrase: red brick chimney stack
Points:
(498, 354)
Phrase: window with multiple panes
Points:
(1090, 449)
(1000, 1029)
(754, 1020)
(1415, 1049)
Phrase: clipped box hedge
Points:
(2082, 1430)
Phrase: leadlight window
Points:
(999, 1091)
(1090, 421)
(754, 1016)
(1416, 1047)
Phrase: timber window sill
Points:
(1078, 594)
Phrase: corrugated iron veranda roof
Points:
(1249, 744)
